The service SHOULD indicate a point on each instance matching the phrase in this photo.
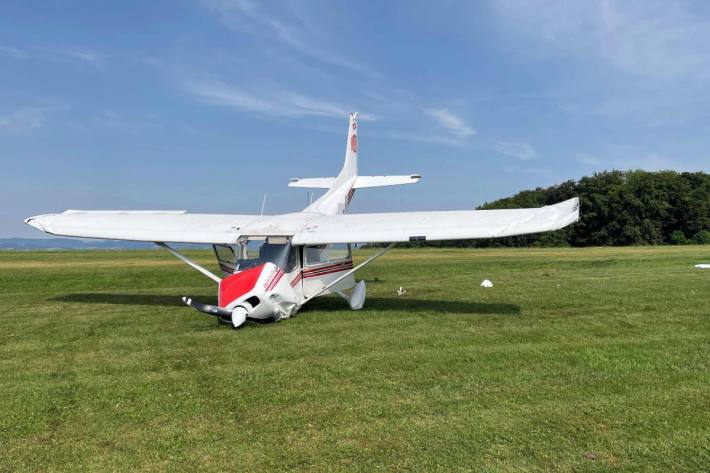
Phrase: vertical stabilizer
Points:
(336, 200)
(350, 165)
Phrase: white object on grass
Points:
(703, 266)
(401, 291)
(486, 283)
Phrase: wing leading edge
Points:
(447, 225)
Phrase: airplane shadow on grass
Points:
(405, 304)
(402, 304)
(122, 299)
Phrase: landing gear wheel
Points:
(239, 317)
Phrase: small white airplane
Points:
(273, 264)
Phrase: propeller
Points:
(237, 317)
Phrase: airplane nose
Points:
(239, 316)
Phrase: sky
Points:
(206, 105)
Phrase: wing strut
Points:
(367, 261)
(187, 260)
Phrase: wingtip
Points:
(33, 222)
(39, 222)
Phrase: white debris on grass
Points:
(486, 283)
(703, 266)
(401, 291)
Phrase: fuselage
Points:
(273, 280)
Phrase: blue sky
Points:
(206, 105)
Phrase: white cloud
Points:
(295, 32)
(453, 124)
(647, 61)
(23, 120)
(56, 53)
(515, 169)
(419, 137)
(13, 52)
(268, 101)
(78, 54)
(655, 38)
(515, 149)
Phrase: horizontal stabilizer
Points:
(360, 181)
(382, 181)
(313, 182)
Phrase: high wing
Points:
(307, 228)
(165, 226)
(447, 225)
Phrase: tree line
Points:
(616, 208)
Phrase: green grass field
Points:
(577, 360)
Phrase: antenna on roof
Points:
(263, 204)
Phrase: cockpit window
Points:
(252, 255)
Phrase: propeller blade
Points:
(208, 309)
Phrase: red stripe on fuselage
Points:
(297, 279)
(328, 270)
(329, 265)
(277, 277)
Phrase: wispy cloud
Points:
(656, 39)
(423, 137)
(272, 101)
(516, 169)
(79, 54)
(56, 53)
(515, 149)
(454, 125)
(295, 32)
(13, 52)
(648, 60)
(23, 120)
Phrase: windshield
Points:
(256, 255)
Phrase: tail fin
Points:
(350, 166)
(341, 188)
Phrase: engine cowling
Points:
(262, 292)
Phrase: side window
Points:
(224, 253)
(322, 254)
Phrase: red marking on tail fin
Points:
(353, 143)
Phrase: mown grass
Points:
(576, 360)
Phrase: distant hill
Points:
(76, 244)
(618, 208)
